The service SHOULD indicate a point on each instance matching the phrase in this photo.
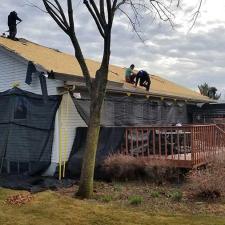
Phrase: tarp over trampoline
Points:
(27, 131)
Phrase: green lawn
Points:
(48, 208)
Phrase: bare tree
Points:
(103, 13)
(204, 89)
(208, 91)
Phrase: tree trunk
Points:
(88, 164)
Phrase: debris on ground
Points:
(19, 199)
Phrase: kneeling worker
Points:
(130, 75)
(144, 79)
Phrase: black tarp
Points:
(208, 113)
(119, 111)
(27, 131)
(122, 111)
(33, 184)
(110, 140)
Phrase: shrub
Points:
(176, 196)
(135, 200)
(155, 194)
(117, 187)
(124, 167)
(106, 198)
(208, 183)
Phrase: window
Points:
(20, 111)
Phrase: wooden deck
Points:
(185, 147)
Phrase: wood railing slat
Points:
(196, 145)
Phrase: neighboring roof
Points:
(56, 61)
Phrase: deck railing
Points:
(186, 146)
(221, 125)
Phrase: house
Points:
(165, 104)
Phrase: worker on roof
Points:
(130, 75)
(12, 18)
(144, 78)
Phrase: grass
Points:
(135, 200)
(117, 187)
(106, 198)
(155, 194)
(176, 195)
(53, 208)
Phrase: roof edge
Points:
(81, 86)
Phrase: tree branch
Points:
(58, 15)
(62, 13)
(97, 13)
(78, 52)
(109, 9)
(100, 29)
(34, 6)
(195, 16)
(54, 15)
(132, 24)
(102, 10)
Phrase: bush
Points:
(155, 194)
(176, 196)
(124, 167)
(106, 198)
(117, 187)
(135, 200)
(208, 183)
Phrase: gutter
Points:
(115, 87)
(81, 87)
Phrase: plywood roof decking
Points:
(54, 60)
(66, 64)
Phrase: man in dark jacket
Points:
(12, 18)
(144, 79)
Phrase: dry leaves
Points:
(19, 199)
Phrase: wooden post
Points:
(148, 136)
(178, 143)
(185, 144)
(192, 147)
(171, 134)
(142, 141)
(126, 140)
(153, 142)
(166, 150)
(137, 142)
(160, 145)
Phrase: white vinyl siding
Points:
(13, 70)
(68, 120)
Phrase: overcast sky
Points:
(188, 58)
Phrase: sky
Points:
(187, 57)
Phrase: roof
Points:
(66, 64)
